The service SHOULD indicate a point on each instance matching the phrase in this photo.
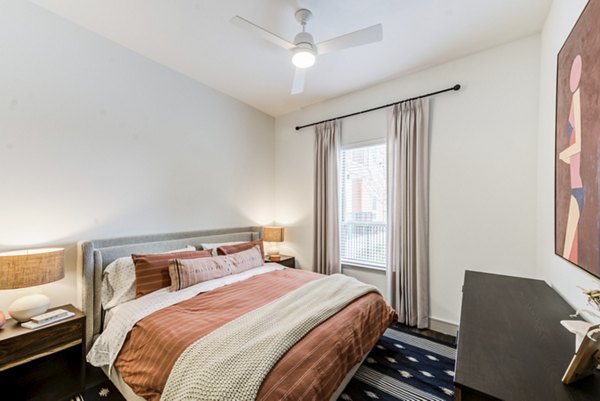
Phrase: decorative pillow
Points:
(215, 245)
(246, 260)
(230, 249)
(118, 280)
(187, 272)
(152, 271)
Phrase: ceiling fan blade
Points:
(298, 84)
(357, 38)
(270, 36)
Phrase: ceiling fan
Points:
(304, 50)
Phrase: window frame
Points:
(356, 145)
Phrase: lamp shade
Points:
(31, 267)
(273, 234)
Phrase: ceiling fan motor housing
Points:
(305, 40)
(305, 52)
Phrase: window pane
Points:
(363, 208)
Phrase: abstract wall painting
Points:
(577, 156)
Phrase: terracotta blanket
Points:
(311, 370)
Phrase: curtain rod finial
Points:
(456, 87)
(297, 128)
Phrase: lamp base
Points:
(272, 250)
(28, 306)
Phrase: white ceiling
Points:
(196, 38)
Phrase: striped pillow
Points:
(230, 249)
(152, 271)
(187, 272)
(246, 260)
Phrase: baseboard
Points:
(442, 326)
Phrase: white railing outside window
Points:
(364, 243)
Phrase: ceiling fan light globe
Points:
(303, 58)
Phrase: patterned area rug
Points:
(402, 367)
(102, 392)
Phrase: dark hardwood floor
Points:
(429, 333)
(93, 376)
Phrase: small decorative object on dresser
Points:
(587, 336)
(2, 319)
(28, 268)
(587, 354)
(593, 297)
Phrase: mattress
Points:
(311, 370)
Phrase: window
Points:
(363, 209)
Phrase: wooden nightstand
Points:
(46, 363)
(285, 260)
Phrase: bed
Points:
(317, 367)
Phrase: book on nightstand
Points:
(47, 318)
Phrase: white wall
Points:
(562, 275)
(483, 166)
(97, 141)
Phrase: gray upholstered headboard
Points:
(97, 254)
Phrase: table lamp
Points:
(273, 235)
(28, 268)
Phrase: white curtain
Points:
(408, 209)
(327, 241)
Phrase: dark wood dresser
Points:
(511, 345)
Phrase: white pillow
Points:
(118, 280)
(215, 245)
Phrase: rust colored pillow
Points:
(152, 271)
(229, 249)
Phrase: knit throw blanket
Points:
(231, 362)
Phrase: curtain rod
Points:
(453, 88)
